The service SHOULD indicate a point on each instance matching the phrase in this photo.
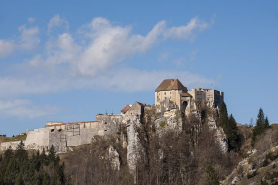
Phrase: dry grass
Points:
(20, 137)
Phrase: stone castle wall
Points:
(62, 135)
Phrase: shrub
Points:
(163, 124)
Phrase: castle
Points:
(173, 90)
(65, 135)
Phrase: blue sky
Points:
(69, 60)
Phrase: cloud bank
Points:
(86, 60)
(23, 108)
(106, 44)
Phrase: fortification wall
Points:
(83, 132)
(6, 145)
(37, 139)
(61, 135)
(109, 123)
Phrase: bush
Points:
(163, 124)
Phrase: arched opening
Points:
(184, 105)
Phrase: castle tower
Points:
(174, 90)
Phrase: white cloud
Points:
(107, 44)
(56, 21)
(31, 20)
(26, 109)
(67, 63)
(163, 56)
(132, 80)
(6, 48)
(32, 84)
(127, 79)
(186, 32)
(29, 38)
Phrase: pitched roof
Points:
(186, 94)
(141, 104)
(125, 109)
(171, 84)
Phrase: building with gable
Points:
(172, 90)
(170, 94)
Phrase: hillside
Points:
(161, 148)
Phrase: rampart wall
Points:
(6, 145)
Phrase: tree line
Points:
(16, 167)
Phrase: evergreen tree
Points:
(52, 158)
(262, 124)
(260, 119)
(11, 172)
(17, 168)
(60, 177)
(43, 157)
(19, 180)
(8, 154)
(212, 177)
(223, 116)
(21, 154)
(266, 123)
(232, 133)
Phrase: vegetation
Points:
(212, 177)
(262, 124)
(17, 168)
(20, 137)
(230, 128)
(168, 156)
(163, 123)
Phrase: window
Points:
(165, 93)
(52, 130)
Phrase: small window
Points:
(105, 123)
(165, 93)
(59, 130)
(105, 130)
(52, 130)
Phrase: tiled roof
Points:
(186, 94)
(141, 104)
(125, 109)
(171, 84)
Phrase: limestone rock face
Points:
(134, 146)
(169, 121)
(114, 158)
(220, 136)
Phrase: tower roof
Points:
(125, 109)
(171, 84)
